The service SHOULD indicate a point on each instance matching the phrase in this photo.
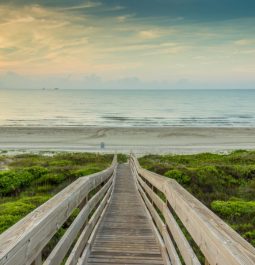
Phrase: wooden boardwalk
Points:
(125, 235)
(114, 226)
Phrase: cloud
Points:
(155, 33)
(117, 39)
(245, 42)
(190, 10)
(124, 18)
(148, 34)
(115, 8)
(83, 6)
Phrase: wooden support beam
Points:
(23, 242)
(219, 243)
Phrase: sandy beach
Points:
(138, 140)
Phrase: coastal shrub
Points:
(122, 158)
(241, 171)
(32, 179)
(13, 211)
(228, 182)
(178, 176)
(35, 200)
(242, 157)
(51, 178)
(84, 158)
(12, 181)
(247, 190)
(60, 163)
(37, 171)
(88, 170)
(16, 208)
(207, 178)
(250, 172)
(27, 160)
(236, 171)
(232, 209)
(250, 236)
(160, 168)
(147, 161)
(242, 228)
(207, 172)
(8, 220)
(44, 188)
(223, 182)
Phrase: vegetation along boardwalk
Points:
(124, 214)
(125, 235)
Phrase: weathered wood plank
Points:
(219, 243)
(173, 255)
(22, 243)
(38, 260)
(153, 212)
(95, 220)
(168, 244)
(84, 237)
(155, 198)
(125, 235)
(60, 250)
(184, 247)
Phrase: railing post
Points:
(43, 223)
(83, 203)
(153, 190)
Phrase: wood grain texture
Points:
(125, 235)
(23, 242)
(185, 249)
(62, 247)
(220, 244)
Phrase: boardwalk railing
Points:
(25, 242)
(172, 208)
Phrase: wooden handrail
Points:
(218, 242)
(24, 242)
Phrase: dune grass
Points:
(32, 179)
(224, 183)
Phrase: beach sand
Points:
(138, 140)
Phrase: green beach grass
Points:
(29, 180)
(224, 183)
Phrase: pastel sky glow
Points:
(127, 43)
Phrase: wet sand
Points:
(138, 140)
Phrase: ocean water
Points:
(120, 108)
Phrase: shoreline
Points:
(141, 140)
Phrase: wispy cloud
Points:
(112, 40)
(245, 42)
(149, 34)
(124, 18)
(83, 6)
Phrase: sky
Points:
(127, 44)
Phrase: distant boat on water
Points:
(55, 88)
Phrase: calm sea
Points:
(142, 108)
